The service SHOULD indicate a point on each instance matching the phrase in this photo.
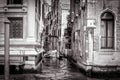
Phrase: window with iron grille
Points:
(16, 27)
(14, 1)
(107, 30)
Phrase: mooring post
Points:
(6, 48)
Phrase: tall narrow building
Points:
(56, 24)
(59, 12)
(65, 8)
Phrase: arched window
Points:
(107, 30)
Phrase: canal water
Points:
(55, 69)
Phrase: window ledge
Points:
(20, 43)
(15, 8)
(14, 5)
(107, 50)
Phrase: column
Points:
(90, 45)
(6, 48)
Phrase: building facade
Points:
(47, 31)
(95, 34)
(55, 25)
(25, 18)
(46, 23)
(58, 22)
(65, 8)
(67, 36)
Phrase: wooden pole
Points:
(6, 48)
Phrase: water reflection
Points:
(55, 69)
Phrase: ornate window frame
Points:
(112, 12)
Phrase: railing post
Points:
(6, 48)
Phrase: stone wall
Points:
(112, 6)
(106, 56)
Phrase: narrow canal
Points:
(55, 69)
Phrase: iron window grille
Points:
(14, 2)
(16, 27)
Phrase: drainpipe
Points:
(6, 48)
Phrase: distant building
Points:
(47, 31)
(58, 23)
(65, 7)
(55, 24)
(46, 23)
(67, 37)
(26, 21)
(95, 34)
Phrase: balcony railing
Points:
(107, 42)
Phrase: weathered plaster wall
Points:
(106, 56)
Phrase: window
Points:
(16, 27)
(68, 44)
(14, 1)
(107, 30)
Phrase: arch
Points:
(107, 10)
(107, 15)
